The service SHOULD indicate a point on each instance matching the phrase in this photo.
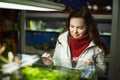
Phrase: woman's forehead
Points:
(77, 21)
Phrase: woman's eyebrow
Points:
(71, 25)
(77, 26)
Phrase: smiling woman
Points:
(35, 5)
(80, 42)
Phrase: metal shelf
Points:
(64, 15)
(102, 17)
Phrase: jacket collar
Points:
(63, 40)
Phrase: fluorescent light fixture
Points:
(35, 5)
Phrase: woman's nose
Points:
(75, 30)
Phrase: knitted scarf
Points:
(77, 45)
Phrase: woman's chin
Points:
(75, 37)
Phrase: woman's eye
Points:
(72, 26)
(81, 28)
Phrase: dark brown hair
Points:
(91, 26)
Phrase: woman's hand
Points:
(46, 58)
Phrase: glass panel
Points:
(42, 34)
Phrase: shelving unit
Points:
(26, 16)
(58, 16)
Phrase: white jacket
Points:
(62, 55)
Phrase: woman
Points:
(80, 42)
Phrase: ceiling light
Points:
(36, 5)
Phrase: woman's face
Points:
(77, 27)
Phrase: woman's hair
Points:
(90, 24)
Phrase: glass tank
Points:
(41, 33)
(45, 24)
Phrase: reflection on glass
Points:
(42, 34)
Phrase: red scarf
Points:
(78, 45)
